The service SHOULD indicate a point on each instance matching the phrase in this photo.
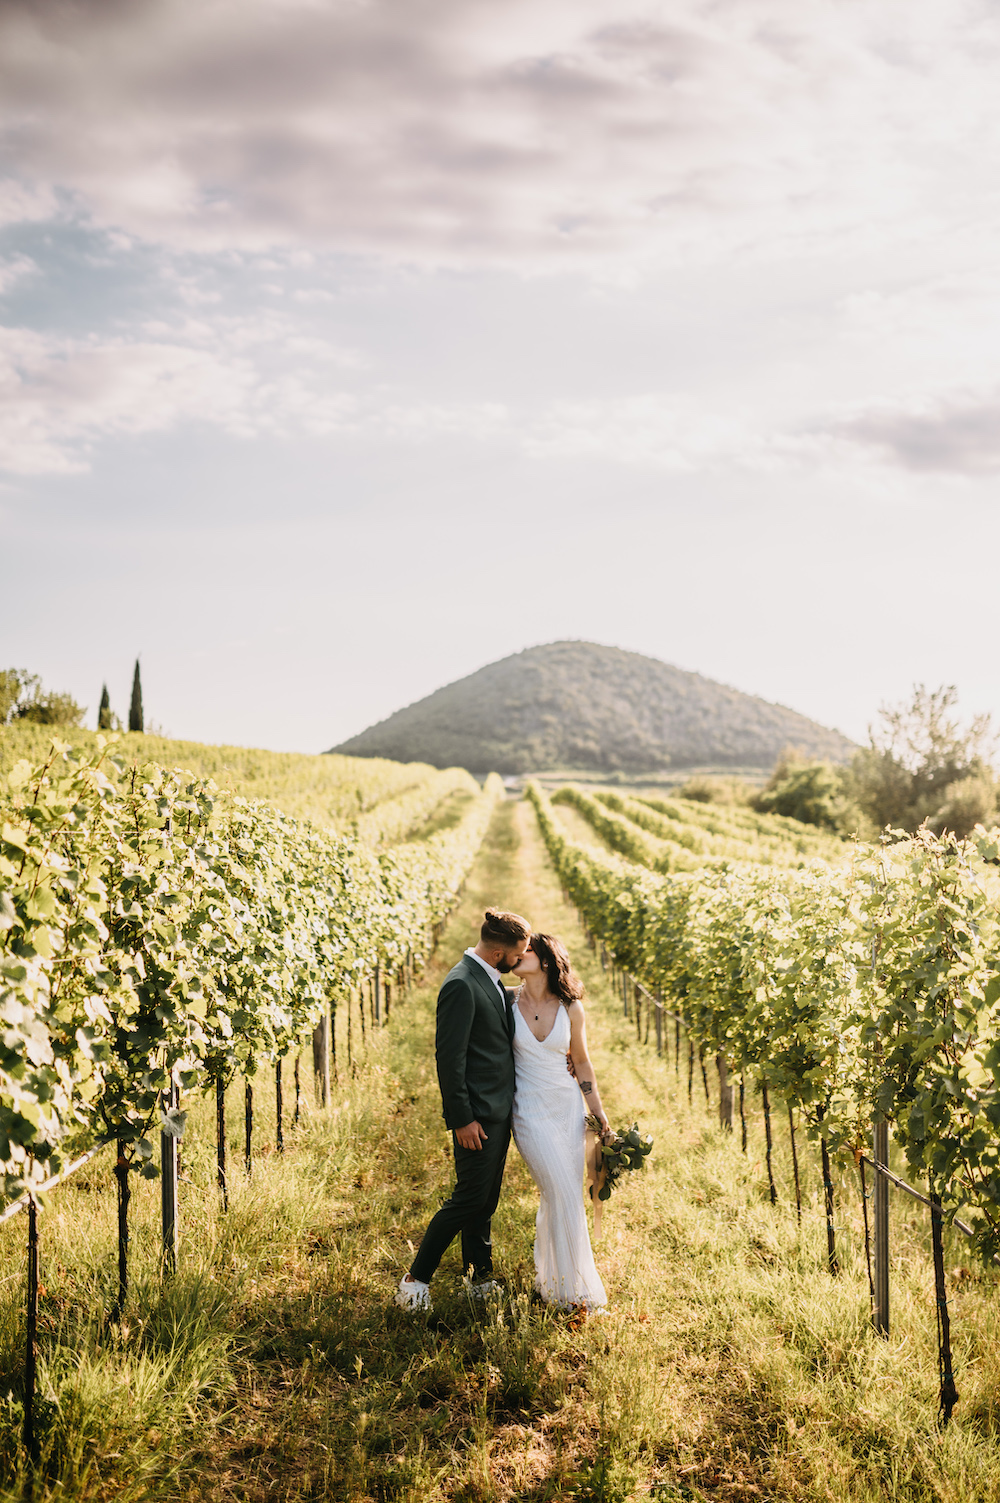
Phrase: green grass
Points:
(274, 1366)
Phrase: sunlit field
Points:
(730, 1364)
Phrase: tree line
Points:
(922, 766)
(23, 698)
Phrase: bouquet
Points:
(625, 1150)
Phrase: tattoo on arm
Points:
(586, 1087)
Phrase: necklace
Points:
(520, 990)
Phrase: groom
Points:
(475, 1066)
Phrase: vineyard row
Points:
(867, 991)
(667, 843)
(155, 932)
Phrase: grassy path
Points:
(275, 1367)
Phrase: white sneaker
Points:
(413, 1294)
(483, 1289)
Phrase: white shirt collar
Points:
(490, 970)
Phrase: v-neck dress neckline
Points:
(534, 1035)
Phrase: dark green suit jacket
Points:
(474, 1047)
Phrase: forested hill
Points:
(582, 706)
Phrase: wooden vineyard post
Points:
(333, 1038)
(880, 1198)
(168, 1184)
(795, 1163)
(833, 1262)
(743, 1114)
(377, 995)
(659, 1026)
(298, 1085)
(279, 1130)
(31, 1334)
(388, 998)
(948, 1396)
(124, 1196)
(625, 992)
(220, 1138)
(880, 1202)
(638, 1012)
(766, 1100)
(831, 1229)
(321, 1057)
(725, 1093)
(248, 1118)
(704, 1076)
(690, 1071)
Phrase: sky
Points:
(349, 345)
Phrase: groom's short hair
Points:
(503, 928)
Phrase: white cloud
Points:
(956, 434)
(534, 132)
(14, 269)
(249, 377)
(24, 203)
(651, 429)
(58, 397)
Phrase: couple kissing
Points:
(514, 1061)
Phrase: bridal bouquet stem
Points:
(609, 1157)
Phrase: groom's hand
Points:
(471, 1136)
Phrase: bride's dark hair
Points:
(553, 958)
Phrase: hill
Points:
(587, 707)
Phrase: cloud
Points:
(60, 398)
(652, 429)
(533, 132)
(24, 203)
(251, 377)
(244, 375)
(957, 434)
(14, 269)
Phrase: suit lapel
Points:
(479, 975)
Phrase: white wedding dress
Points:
(550, 1132)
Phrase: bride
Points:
(550, 1108)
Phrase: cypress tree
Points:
(135, 708)
(104, 713)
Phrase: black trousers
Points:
(469, 1209)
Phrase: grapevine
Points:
(866, 988)
(153, 926)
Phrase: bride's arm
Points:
(585, 1077)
